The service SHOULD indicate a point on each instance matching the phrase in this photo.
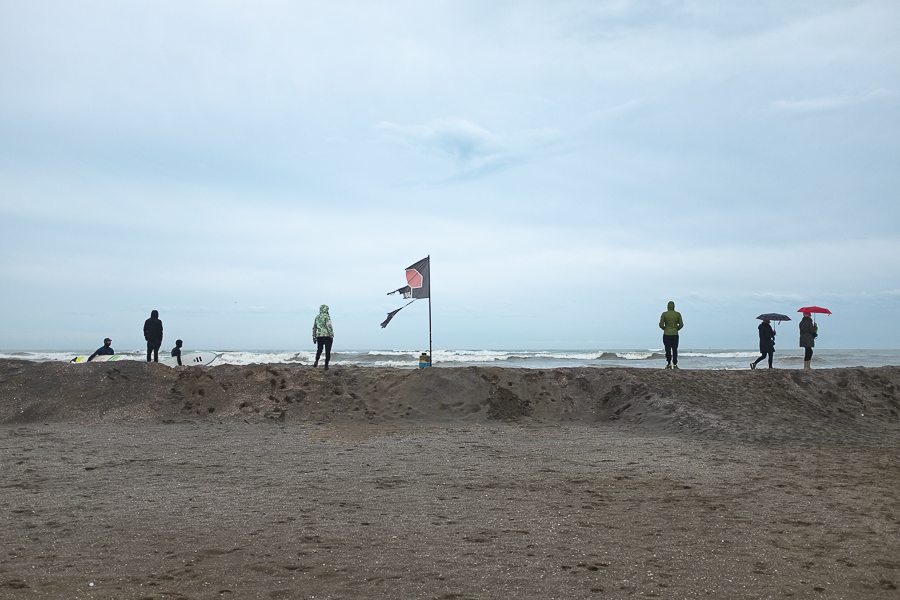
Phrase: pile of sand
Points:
(841, 404)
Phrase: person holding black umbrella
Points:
(766, 343)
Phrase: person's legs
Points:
(155, 352)
(328, 342)
(756, 362)
(149, 351)
(320, 343)
(771, 356)
(667, 344)
(675, 351)
(807, 357)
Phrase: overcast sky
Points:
(569, 166)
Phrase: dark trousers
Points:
(671, 344)
(807, 356)
(324, 342)
(769, 353)
(153, 349)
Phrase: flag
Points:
(391, 316)
(418, 285)
(418, 280)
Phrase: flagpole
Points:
(430, 352)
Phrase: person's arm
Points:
(662, 321)
(679, 324)
(96, 352)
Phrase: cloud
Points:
(458, 139)
(473, 149)
(828, 103)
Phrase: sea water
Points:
(525, 359)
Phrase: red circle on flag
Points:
(413, 278)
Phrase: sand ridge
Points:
(839, 404)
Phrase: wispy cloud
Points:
(828, 103)
(471, 148)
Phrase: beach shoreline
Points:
(652, 358)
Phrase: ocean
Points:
(712, 359)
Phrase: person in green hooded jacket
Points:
(323, 335)
(670, 322)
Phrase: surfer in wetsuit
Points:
(153, 333)
(323, 335)
(104, 350)
(176, 351)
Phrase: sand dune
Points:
(855, 404)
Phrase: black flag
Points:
(418, 279)
(391, 316)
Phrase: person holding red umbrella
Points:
(809, 331)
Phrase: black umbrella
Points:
(773, 317)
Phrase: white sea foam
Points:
(720, 354)
(535, 359)
(634, 355)
(67, 355)
(251, 358)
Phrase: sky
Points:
(569, 166)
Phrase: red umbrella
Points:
(814, 309)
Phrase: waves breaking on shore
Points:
(852, 404)
(726, 359)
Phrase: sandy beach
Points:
(133, 480)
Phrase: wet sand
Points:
(120, 482)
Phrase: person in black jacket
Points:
(153, 333)
(104, 350)
(809, 331)
(766, 343)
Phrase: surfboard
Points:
(192, 359)
(99, 358)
